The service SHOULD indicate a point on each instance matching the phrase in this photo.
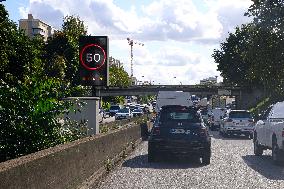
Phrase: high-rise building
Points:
(34, 27)
(116, 62)
(209, 81)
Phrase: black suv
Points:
(178, 130)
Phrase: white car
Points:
(238, 122)
(124, 113)
(269, 133)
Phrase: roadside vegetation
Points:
(253, 55)
(35, 77)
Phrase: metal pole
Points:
(131, 55)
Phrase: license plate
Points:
(179, 131)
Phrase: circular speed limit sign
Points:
(92, 57)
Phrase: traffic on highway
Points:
(142, 94)
(188, 147)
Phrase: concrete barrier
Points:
(68, 165)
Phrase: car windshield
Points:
(124, 110)
(240, 115)
(137, 110)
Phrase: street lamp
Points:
(174, 79)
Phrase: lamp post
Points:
(174, 79)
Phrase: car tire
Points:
(221, 132)
(257, 149)
(206, 158)
(276, 158)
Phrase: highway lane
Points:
(233, 166)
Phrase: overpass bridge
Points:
(245, 97)
(199, 90)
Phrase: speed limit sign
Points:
(94, 60)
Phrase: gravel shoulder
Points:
(233, 165)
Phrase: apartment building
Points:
(34, 27)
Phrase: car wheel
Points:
(206, 158)
(221, 132)
(257, 149)
(275, 154)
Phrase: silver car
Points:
(239, 122)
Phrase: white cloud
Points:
(176, 28)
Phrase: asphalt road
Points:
(233, 165)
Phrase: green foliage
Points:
(73, 27)
(145, 99)
(268, 14)
(63, 49)
(118, 77)
(253, 57)
(261, 107)
(17, 56)
(231, 56)
(29, 116)
(34, 78)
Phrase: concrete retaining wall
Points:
(66, 166)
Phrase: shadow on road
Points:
(216, 135)
(141, 161)
(264, 166)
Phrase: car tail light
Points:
(156, 130)
(229, 120)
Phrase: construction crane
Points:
(131, 43)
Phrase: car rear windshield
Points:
(114, 108)
(180, 115)
(240, 115)
(124, 110)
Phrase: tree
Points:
(118, 77)
(65, 44)
(231, 56)
(268, 14)
(18, 57)
(30, 100)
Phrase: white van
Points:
(173, 98)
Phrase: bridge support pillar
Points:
(249, 98)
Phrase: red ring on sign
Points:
(82, 61)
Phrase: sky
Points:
(179, 36)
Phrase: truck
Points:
(269, 133)
(216, 115)
(173, 98)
